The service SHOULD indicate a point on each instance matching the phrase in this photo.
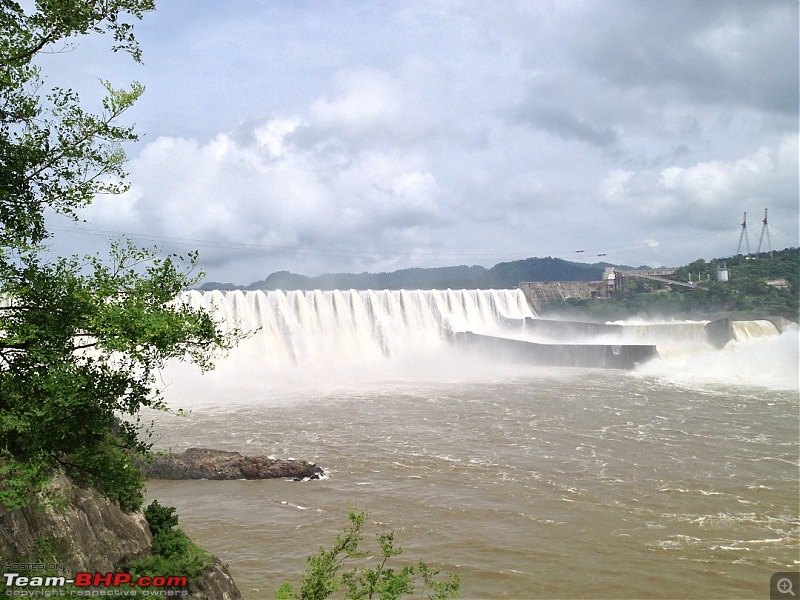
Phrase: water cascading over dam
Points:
(316, 328)
(305, 327)
(310, 340)
(744, 330)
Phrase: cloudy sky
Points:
(320, 136)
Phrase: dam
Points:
(363, 327)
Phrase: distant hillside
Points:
(501, 276)
(757, 286)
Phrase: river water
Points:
(677, 479)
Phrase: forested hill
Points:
(502, 275)
(766, 284)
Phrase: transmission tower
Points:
(743, 235)
(764, 227)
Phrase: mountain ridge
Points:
(502, 275)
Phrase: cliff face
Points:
(215, 583)
(88, 534)
(85, 532)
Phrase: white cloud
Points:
(443, 130)
(613, 188)
(263, 190)
(699, 194)
(271, 135)
(363, 100)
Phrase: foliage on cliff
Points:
(173, 552)
(81, 339)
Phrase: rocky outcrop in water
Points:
(204, 463)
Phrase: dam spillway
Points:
(365, 327)
(308, 326)
(355, 326)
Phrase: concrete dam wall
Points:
(606, 356)
(539, 293)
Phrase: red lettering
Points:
(118, 579)
(100, 579)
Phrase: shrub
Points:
(174, 554)
(324, 574)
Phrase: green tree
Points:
(81, 339)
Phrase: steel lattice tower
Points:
(764, 227)
(743, 235)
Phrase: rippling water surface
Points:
(584, 482)
(679, 479)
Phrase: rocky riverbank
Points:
(204, 463)
(72, 529)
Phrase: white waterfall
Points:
(678, 332)
(743, 330)
(308, 327)
(312, 343)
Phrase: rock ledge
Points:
(85, 532)
(204, 463)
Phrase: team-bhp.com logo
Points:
(26, 585)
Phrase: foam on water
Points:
(770, 361)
